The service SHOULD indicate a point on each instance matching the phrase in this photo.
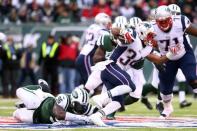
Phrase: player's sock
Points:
(73, 117)
(182, 87)
(181, 96)
(111, 107)
(120, 90)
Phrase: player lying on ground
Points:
(42, 107)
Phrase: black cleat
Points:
(122, 109)
(185, 104)
(111, 116)
(147, 103)
(160, 107)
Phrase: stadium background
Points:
(29, 19)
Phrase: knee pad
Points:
(166, 98)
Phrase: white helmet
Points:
(2, 37)
(134, 22)
(102, 19)
(79, 95)
(79, 100)
(163, 17)
(121, 20)
(62, 100)
(175, 9)
(118, 25)
(144, 29)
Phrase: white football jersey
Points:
(176, 35)
(126, 56)
(91, 36)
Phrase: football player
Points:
(42, 107)
(84, 60)
(123, 66)
(171, 30)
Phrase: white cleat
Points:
(96, 118)
(166, 112)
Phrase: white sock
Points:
(111, 107)
(120, 90)
(181, 96)
(73, 117)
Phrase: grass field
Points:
(138, 109)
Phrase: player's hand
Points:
(175, 52)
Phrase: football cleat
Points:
(147, 103)
(160, 107)
(166, 112)
(185, 104)
(96, 118)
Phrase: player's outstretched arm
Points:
(192, 30)
(157, 59)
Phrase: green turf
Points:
(137, 109)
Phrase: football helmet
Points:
(146, 33)
(163, 17)
(134, 22)
(62, 100)
(175, 9)
(121, 20)
(79, 100)
(103, 19)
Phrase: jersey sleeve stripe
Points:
(183, 22)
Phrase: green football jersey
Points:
(106, 42)
(44, 113)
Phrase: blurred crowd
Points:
(55, 64)
(75, 11)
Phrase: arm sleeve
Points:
(185, 22)
(105, 42)
(146, 51)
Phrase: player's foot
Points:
(185, 104)
(167, 112)
(111, 116)
(19, 104)
(147, 103)
(159, 107)
(96, 118)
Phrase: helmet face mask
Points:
(79, 108)
(163, 17)
(164, 24)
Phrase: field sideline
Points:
(138, 109)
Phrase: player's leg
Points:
(24, 115)
(83, 65)
(139, 80)
(182, 88)
(188, 67)
(31, 96)
(94, 81)
(167, 78)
